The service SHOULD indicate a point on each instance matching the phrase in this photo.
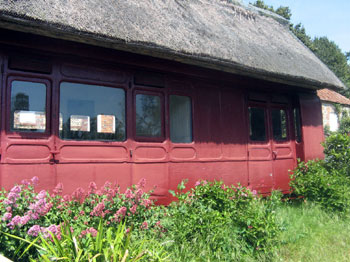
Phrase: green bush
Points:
(210, 210)
(315, 182)
(337, 153)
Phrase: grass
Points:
(311, 234)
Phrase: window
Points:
(91, 112)
(28, 106)
(279, 124)
(148, 116)
(257, 130)
(297, 125)
(180, 119)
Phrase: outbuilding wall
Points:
(220, 148)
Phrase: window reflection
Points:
(279, 124)
(180, 119)
(91, 112)
(28, 106)
(257, 124)
(148, 116)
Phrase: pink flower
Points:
(7, 216)
(16, 189)
(24, 220)
(66, 198)
(146, 202)
(144, 225)
(121, 211)
(139, 194)
(35, 180)
(98, 209)
(133, 209)
(254, 192)
(42, 194)
(128, 194)
(141, 183)
(82, 213)
(79, 194)
(197, 183)
(8, 209)
(34, 231)
(92, 188)
(16, 220)
(92, 231)
(25, 182)
(58, 189)
(127, 230)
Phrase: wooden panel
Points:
(84, 72)
(27, 152)
(312, 129)
(207, 124)
(261, 176)
(182, 153)
(233, 119)
(281, 169)
(92, 153)
(14, 174)
(80, 175)
(156, 175)
(149, 153)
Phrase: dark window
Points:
(297, 124)
(257, 130)
(279, 124)
(91, 112)
(180, 119)
(28, 106)
(148, 116)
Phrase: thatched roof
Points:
(332, 96)
(218, 34)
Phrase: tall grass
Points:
(312, 234)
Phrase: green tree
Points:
(324, 48)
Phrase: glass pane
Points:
(148, 116)
(28, 106)
(180, 119)
(257, 124)
(279, 124)
(91, 112)
(297, 124)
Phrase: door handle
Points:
(274, 155)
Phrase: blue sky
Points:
(329, 18)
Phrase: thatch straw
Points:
(218, 34)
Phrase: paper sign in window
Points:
(32, 120)
(80, 123)
(106, 124)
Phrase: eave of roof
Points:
(332, 96)
(240, 41)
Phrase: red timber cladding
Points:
(312, 129)
(219, 149)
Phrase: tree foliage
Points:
(325, 49)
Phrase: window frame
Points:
(48, 110)
(152, 92)
(94, 83)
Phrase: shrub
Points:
(337, 153)
(26, 213)
(328, 187)
(212, 207)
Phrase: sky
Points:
(329, 18)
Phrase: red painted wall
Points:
(311, 115)
(220, 144)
